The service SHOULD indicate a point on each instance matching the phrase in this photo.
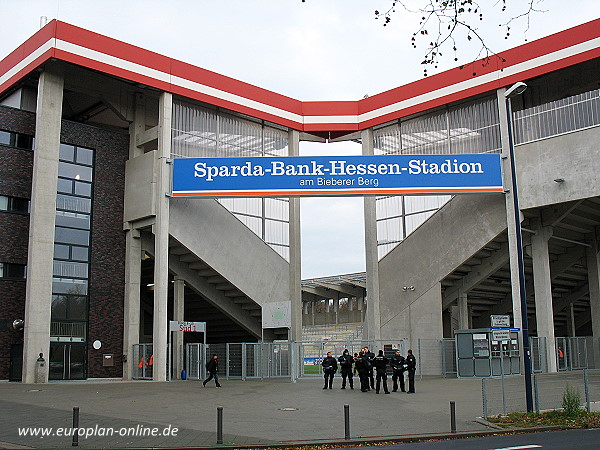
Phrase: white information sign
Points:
(194, 327)
(501, 335)
(277, 315)
(500, 321)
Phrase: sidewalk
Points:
(253, 412)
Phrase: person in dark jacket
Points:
(361, 367)
(380, 362)
(399, 365)
(369, 355)
(212, 367)
(411, 362)
(329, 369)
(346, 361)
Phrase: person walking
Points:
(212, 367)
(411, 363)
(346, 361)
(329, 369)
(380, 362)
(398, 364)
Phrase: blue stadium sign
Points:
(347, 175)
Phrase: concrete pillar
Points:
(510, 208)
(373, 315)
(336, 310)
(327, 305)
(133, 258)
(38, 297)
(463, 312)
(313, 307)
(570, 320)
(593, 267)
(161, 239)
(351, 304)
(542, 282)
(131, 306)
(178, 314)
(295, 251)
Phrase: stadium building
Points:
(96, 256)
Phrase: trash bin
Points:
(184, 374)
(40, 369)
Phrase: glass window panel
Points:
(24, 141)
(78, 308)
(5, 137)
(389, 230)
(82, 188)
(276, 232)
(3, 203)
(70, 269)
(73, 203)
(65, 186)
(85, 156)
(59, 307)
(415, 220)
(71, 236)
(74, 220)
(61, 251)
(66, 152)
(283, 250)
(69, 286)
(1, 270)
(18, 204)
(388, 206)
(254, 223)
(79, 253)
(276, 209)
(74, 171)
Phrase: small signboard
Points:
(194, 327)
(500, 321)
(500, 335)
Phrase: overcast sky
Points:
(316, 50)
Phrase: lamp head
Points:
(515, 89)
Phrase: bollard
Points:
(75, 442)
(219, 424)
(453, 417)
(346, 422)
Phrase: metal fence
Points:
(142, 362)
(507, 394)
(240, 360)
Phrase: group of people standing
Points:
(366, 364)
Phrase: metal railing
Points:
(142, 362)
(68, 330)
(507, 394)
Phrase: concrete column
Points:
(463, 311)
(373, 315)
(133, 255)
(295, 251)
(350, 304)
(161, 239)
(593, 267)
(542, 282)
(178, 314)
(327, 305)
(570, 320)
(313, 307)
(38, 297)
(131, 306)
(336, 309)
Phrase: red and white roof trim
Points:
(66, 42)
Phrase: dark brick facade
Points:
(107, 252)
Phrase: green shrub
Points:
(571, 401)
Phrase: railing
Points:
(67, 331)
(558, 117)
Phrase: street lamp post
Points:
(513, 91)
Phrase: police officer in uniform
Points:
(380, 362)
(329, 369)
(361, 367)
(399, 365)
(346, 361)
(369, 355)
(411, 362)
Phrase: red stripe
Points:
(27, 70)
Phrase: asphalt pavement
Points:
(122, 414)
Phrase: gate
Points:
(142, 361)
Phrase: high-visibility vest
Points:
(142, 363)
(151, 360)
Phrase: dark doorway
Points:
(16, 362)
(67, 361)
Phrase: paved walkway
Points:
(253, 411)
